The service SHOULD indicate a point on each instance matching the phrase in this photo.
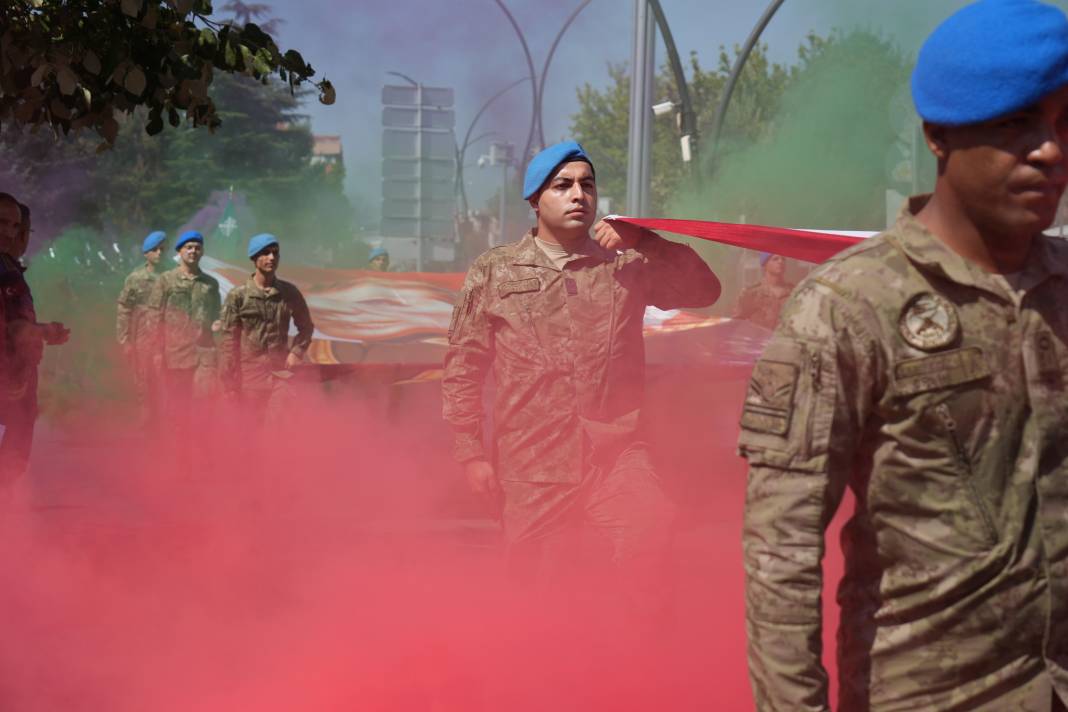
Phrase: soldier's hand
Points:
(292, 361)
(483, 482)
(615, 235)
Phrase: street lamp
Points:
(537, 86)
(461, 149)
(501, 154)
(736, 72)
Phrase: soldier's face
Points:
(10, 225)
(775, 266)
(568, 202)
(267, 260)
(1008, 175)
(380, 263)
(153, 256)
(191, 253)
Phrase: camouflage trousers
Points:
(620, 508)
(19, 417)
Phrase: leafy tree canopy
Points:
(85, 64)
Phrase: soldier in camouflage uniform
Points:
(22, 342)
(183, 306)
(255, 354)
(926, 369)
(557, 317)
(131, 328)
(761, 303)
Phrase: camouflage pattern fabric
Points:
(761, 304)
(937, 395)
(565, 347)
(181, 311)
(255, 333)
(132, 333)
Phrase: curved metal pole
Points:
(405, 77)
(486, 105)
(536, 110)
(721, 112)
(688, 122)
(545, 69)
(461, 149)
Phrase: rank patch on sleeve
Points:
(770, 398)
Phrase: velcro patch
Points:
(518, 287)
(941, 370)
(770, 398)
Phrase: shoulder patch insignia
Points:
(929, 322)
(770, 399)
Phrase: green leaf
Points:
(91, 62)
(40, 73)
(135, 81)
(155, 122)
(67, 81)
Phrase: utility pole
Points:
(639, 151)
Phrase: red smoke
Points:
(337, 563)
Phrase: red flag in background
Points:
(805, 245)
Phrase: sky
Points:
(469, 45)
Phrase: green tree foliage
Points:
(783, 113)
(85, 64)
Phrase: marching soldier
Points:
(256, 356)
(926, 369)
(557, 317)
(131, 326)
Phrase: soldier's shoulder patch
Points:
(929, 322)
(770, 398)
(518, 286)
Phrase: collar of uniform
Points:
(257, 289)
(929, 253)
(527, 253)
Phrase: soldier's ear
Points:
(934, 136)
(533, 200)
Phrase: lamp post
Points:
(461, 149)
(537, 86)
(736, 72)
(501, 154)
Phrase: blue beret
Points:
(154, 240)
(378, 252)
(764, 257)
(544, 164)
(989, 59)
(261, 242)
(188, 236)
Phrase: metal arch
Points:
(739, 65)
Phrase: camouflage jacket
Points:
(565, 347)
(181, 311)
(762, 304)
(255, 333)
(130, 327)
(937, 395)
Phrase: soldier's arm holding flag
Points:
(676, 276)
